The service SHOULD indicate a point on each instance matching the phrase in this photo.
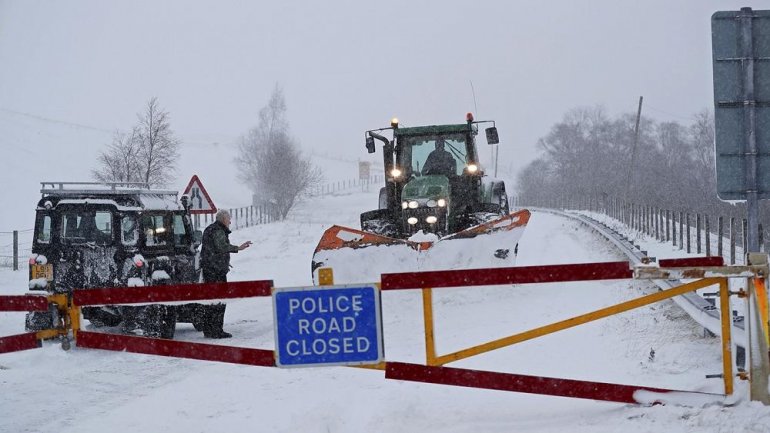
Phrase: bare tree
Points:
(270, 162)
(146, 154)
(158, 148)
(120, 162)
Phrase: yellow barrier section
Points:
(75, 320)
(578, 320)
(427, 312)
(727, 344)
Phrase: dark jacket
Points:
(216, 249)
(440, 162)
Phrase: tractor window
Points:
(43, 229)
(129, 231)
(444, 154)
(155, 230)
(82, 227)
(179, 231)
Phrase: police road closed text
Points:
(327, 326)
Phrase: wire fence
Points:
(690, 232)
(14, 244)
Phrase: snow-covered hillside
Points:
(36, 149)
(86, 391)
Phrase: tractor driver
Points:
(440, 161)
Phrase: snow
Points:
(38, 283)
(85, 390)
(160, 275)
(39, 259)
(135, 282)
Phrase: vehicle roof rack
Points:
(100, 188)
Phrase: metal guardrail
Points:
(698, 308)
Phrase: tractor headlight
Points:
(441, 202)
(472, 168)
(431, 219)
(413, 204)
(412, 220)
(396, 173)
(404, 205)
(431, 203)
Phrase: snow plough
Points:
(438, 209)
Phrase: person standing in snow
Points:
(215, 263)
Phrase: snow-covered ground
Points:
(87, 391)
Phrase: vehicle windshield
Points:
(156, 230)
(87, 226)
(436, 154)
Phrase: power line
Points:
(49, 120)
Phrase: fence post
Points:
(15, 250)
(720, 233)
(745, 238)
(697, 230)
(732, 240)
(708, 236)
(673, 229)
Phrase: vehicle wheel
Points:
(158, 321)
(38, 320)
(102, 316)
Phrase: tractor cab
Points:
(434, 180)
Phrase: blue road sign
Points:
(336, 325)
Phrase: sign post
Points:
(200, 202)
(741, 56)
(335, 325)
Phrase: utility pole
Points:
(630, 178)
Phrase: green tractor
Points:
(435, 183)
(435, 190)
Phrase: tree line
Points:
(269, 162)
(665, 164)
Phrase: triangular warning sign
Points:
(200, 202)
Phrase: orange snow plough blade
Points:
(356, 256)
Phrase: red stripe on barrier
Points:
(176, 349)
(178, 292)
(24, 303)
(519, 383)
(515, 275)
(16, 343)
(694, 261)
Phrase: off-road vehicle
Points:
(98, 235)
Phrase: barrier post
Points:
(430, 342)
(727, 343)
(756, 329)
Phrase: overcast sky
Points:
(348, 66)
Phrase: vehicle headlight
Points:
(441, 202)
(413, 204)
(404, 205)
(395, 173)
(431, 219)
(472, 168)
(412, 220)
(431, 203)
